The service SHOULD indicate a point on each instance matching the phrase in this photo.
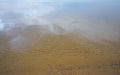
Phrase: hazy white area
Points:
(94, 20)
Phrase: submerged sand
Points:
(62, 55)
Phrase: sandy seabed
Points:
(62, 55)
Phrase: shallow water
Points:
(60, 38)
(61, 55)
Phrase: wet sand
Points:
(62, 55)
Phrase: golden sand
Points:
(62, 55)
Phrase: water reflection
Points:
(23, 26)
